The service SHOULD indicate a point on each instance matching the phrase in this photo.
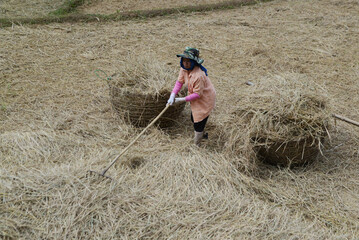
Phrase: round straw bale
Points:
(293, 139)
(141, 108)
(140, 89)
(293, 153)
(285, 120)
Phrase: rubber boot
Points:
(205, 135)
(197, 138)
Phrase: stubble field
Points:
(57, 123)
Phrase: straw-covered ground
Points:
(28, 8)
(111, 6)
(57, 123)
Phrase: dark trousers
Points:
(199, 126)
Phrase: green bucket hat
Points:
(191, 53)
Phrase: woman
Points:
(201, 93)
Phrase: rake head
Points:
(91, 173)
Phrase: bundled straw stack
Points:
(140, 89)
(282, 119)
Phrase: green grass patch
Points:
(68, 7)
(3, 107)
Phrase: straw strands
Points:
(140, 89)
(56, 123)
(135, 205)
(143, 74)
(284, 118)
(28, 8)
(110, 6)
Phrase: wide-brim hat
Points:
(191, 53)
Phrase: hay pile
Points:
(189, 196)
(282, 119)
(140, 89)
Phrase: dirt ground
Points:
(57, 122)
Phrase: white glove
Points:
(171, 100)
(180, 99)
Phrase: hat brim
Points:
(183, 55)
(198, 60)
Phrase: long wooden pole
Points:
(134, 140)
(346, 120)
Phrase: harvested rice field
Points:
(28, 8)
(57, 122)
(111, 6)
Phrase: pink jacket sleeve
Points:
(177, 87)
(192, 97)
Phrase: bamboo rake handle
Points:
(134, 140)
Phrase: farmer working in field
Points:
(201, 93)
